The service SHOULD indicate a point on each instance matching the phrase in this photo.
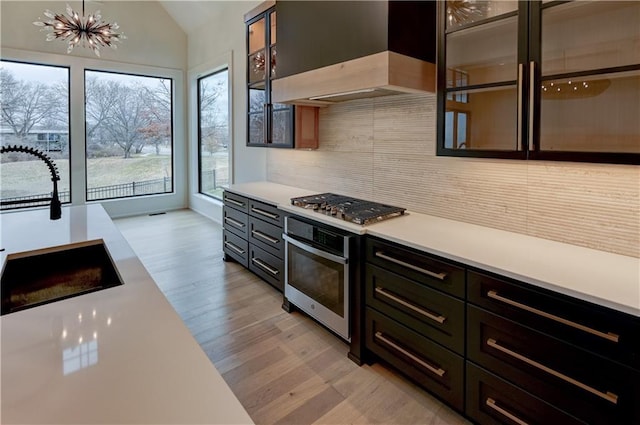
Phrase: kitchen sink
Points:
(34, 278)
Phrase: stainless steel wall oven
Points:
(319, 272)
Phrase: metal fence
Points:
(212, 180)
(147, 187)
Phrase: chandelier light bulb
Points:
(91, 31)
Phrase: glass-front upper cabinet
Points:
(268, 124)
(539, 80)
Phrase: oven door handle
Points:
(315, 251)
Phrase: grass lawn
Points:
(32, 177)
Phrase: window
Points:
(456, 129)
(35, 115)
(129, 135)
(213, 133)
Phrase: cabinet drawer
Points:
(610, 333)
(235, 221)
(267, 266)
(422, 309)
(235, 247)
(238, 202)
(493, 401)
(578, 382)
(266, 212)
(430, 365)
(266, 236)
(417, 266)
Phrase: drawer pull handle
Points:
(492, 404)
(261, 235)
(608, 336)
(264, 266)
(439, 276)
(440, 319)
(233, 222)
(609, 396)
(233, 247)
(234, 202)
(265, 213)
(437, 371)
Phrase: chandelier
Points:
(89, 31)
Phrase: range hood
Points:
(380, 74)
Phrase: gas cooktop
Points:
(348, 208)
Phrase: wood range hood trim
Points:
(380, 74)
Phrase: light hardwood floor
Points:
(284, 368)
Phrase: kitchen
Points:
(376, 149)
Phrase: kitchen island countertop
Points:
(120, 355)
(600, 277)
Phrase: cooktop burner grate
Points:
(348, 208)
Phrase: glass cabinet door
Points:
(257, 51)
(268, 124)
(480, 104)
(551, 80)
(589, 86)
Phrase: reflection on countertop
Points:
(120, 355)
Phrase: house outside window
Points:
(34, 114)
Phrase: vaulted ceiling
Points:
(190, 14)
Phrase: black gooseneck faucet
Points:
(55, 210)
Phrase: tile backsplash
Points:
(383, 149)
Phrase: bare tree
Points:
(157, 102)
(213, 123)
(25, 105)
(100, 100)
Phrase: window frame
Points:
(206, 205)
(199, 78)
(120, 206)
(173, 183)
(25, 61)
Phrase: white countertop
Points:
(120, 355)
(600, 277)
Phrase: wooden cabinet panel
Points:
(307, 127)
(491, 400)
(415, 265)
(585, 385)
(424, 310)
(437, 369)
(612, 334)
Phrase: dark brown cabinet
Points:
(253, 237)
(491, 400)
(499, 350)
(579, 358)
(414, 316)
(539, 80)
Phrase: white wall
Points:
(156, 45)
(224, 36)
